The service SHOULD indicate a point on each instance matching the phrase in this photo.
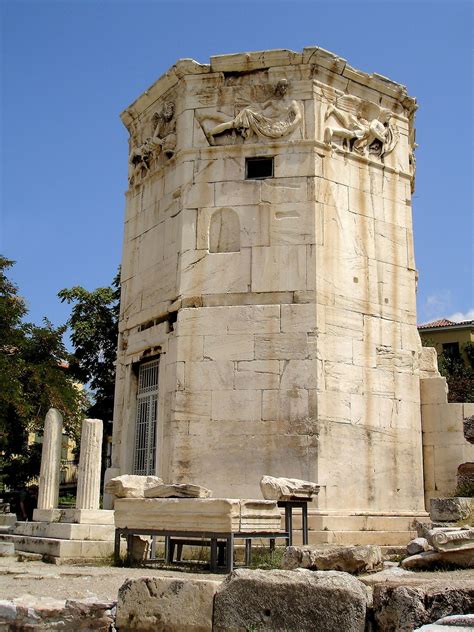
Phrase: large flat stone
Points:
(300, 601)
(157, 604)
(222, 515)
(181, 514)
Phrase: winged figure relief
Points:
(364, 127)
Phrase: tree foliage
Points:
(94, 332)
(33, 378)
(459, 376)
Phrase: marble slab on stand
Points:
(220, 515)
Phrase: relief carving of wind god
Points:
(362, 127)
(162, 141)
(275, 118)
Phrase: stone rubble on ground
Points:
(287, 488)
(417, 545)
(131, 485)
(401, 608)
(44, 613)
(453, 546)
(300, 601)
(349, 559)
(177, 490)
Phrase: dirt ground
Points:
(67, 581)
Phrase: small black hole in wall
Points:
(267, 613)
(256, 168)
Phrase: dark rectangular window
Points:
(256, 168)
(451, 350)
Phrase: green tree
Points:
(459, 375)
(94, 333)
(34, 376)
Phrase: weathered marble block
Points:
(221, 515)
(451, 509)
(130, 485)
(287, 488)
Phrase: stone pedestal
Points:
(48, 493)
(88, 484)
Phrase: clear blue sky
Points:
(69, 68)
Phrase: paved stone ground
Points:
(69, 581)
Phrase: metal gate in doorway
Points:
(146, 419)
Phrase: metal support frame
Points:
(222, 544)
(289, 505)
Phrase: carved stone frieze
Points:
(363, 127)
(275, 118)
(162, 141)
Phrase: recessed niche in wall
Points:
(224, 231)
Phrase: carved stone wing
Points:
(369, 111)
(349, 103)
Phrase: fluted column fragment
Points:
(48, 493)
(88, 481)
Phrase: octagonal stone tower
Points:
(268, 320)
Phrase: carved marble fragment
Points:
(451, 539)
(130, 485)
(162, 140)
(287, 488)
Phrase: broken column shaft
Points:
(88, 483)
(48, 493)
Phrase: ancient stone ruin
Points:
(268, 318)
(86, 532)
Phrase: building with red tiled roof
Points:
(448, 337)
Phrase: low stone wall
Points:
(445, 446)
(301, 600)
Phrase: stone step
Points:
(79, 516)
(54, 547)
(65, 531)
(383, 538)
(356, 523)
